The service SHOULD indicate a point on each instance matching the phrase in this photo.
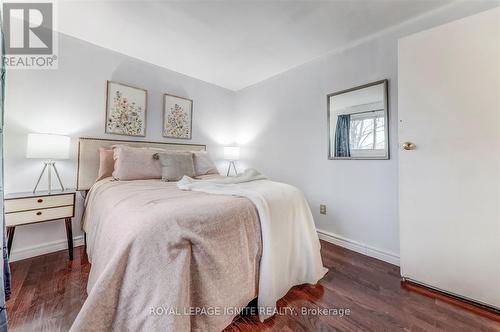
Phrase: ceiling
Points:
(232, 44)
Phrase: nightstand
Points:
(30, 208)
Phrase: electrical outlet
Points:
(322, 209)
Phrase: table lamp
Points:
(231, 153)
(48, 147)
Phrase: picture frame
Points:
(177, 117)
(126, 109)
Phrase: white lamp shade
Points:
(47, 146)
(231, 152)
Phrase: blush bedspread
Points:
(290, 244)
(159, 254)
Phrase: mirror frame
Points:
(385, 82)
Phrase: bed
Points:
(163, 258)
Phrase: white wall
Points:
(282, 126)
(71, 100)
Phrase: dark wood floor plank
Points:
(48, 291)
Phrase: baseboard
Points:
(43, 249)
(356, 246)
(456, 300)
(361, 248)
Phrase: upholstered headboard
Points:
(88, 155)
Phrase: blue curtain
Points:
(342, 148)
(4, 259)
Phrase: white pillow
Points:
(203, 165)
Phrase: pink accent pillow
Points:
(106, 163)
(203, 165)
(135, 163)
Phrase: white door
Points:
(449, 106)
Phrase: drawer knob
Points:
(40, 200)
(39, 213)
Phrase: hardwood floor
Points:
(49, 290)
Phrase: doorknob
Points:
(409, 146)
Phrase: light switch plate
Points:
(322, 209)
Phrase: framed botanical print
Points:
(125, 109)
(177, 116)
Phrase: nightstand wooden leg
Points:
(10, 237)
(69, 235)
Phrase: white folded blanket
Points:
(290, 244)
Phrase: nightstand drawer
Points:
(41, 202)
(33, 216)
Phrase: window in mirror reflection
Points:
(366, 134)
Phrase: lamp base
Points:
(49, 166)
(231, 163)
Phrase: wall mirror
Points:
(358, 126)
